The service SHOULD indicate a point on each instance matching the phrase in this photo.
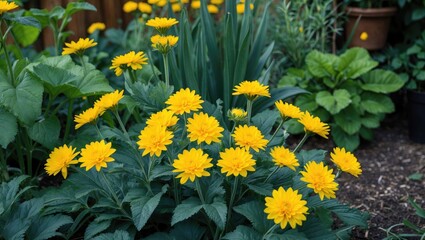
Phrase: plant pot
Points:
(375, 22)
(416, 115)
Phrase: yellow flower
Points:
(240, 7)
(6, 6)
(251, 89)
(96, 154)
(78, 47)
(195, 4)
(109, 100)
(130, 60)
(129, 6)
(163, 118)
(364, 36)
(87, 116)
(96, 26)
(216, 2)
(301, 29)
(314, 125)
(192, 164)
(346, 161)
(288, 110)
(203, 128)
(164, 43)
(236, 161)
(283, 157)
(162, 24)
(319, 178)
(176, 7)
(60, 159)
(153, 1)
(154, 140)
(161, 3)
(145, 8)
(212, 8)
(249, 137)
(237, 115)
(184, 101)
(286, 207)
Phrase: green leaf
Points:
(307, 102)
(320, 64)
(142, 209)
(348, 120)
(356, 62)
(117, 235)
(419, 211)
(276, 94)
(95, 228)
(15, 229)
(74, 7)
(376, 103)
(46, 227)
(9, 128)
(254, 212)
(263, 189)
(46, 132)
(324, 215)
(9, 192)
(366, 133)
(151, 97)
(27, 21)
(265, 121)
(186, 209)
(24, 34)
(351, 216)
(418, 13)
(187, 230)
(216, 211)
(288, 235)
(316, 230)
(243, 233)
(334, 103)
(342, 139)
(371, 120)
(416, 176)
(24, 100)
(381, 81)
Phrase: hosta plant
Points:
(347, 91)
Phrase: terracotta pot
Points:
(374, 22)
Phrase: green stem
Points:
(271, 174)
(29, 149)
(117, 116)
(56, 109)
(306, 135)
(7, 57)
(277, 129)
(114, 195)
(83, 64)
(199, 190)
(98, 130)
(21, 161)
(3, 167)
(338, 173)
(249, 110)
(68, 120)
(166, 70)
(230, 135)
(232, 199)
(269, 231)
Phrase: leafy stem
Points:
(199, 190)
(232, 200)
(68, 119)
(166, 69)
(297, 148)
(249, 110)
(6, 53)
(277, 129)
(269, 231)
(117, 116)
(271, 174)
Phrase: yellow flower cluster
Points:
(240, 7)
(212, 7)
(131, 60)
(78, 47)
(132, 6)
(161, 42)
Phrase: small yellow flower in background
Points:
(145, 8)
(176, 7)
(195, 4)
(78, 47)
(60, 159)
(237, 115)
(203, 128)
(364, 36)
(96, 154)
(164, 43)
(161, 3)
(109, 100)
(96, 26)
(153, 1)
(283, 157)
(286, 207)
(129, 7)
(192, 164)
(236, 161)
(251, 89)
(212, 9)
(6, 6)
(240, 7)
(216, 2)
(320, 178)
(131, 60)
(314, 125)
(154, 140)
(301, 29)
(249, 137)
(163, 118)
(161, 24)
(184, 101)
(346, 161)
(288, 110)
(87, 116)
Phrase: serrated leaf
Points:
(316, 230)
(263, 189)
(9, 191)
(381, 81)
(159, 236)
(15, 229)
(46, 227)
(186, 209)
(46, 132)
(376, 103)
(254, 212)
(9, 127)
(187, 230)
(305, 156)
(335, 102)
(95, 228)
(151, 97)
(117, 235)
(142, 209)
(265, 121)
(243, 233)
(216, 211)
(288, 235)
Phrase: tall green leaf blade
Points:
(9, 127)
(381, 81)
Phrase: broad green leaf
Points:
(334, 103)
(15, 229)
(305, 156)
(95, 228)
(142, 209)
(418, 13)
(254, 212)
(46, 132)
(151, 97)
(243, 233)
(9, 192)
(74, 7)
(216, 211)
(27, 21)
(263, 189)
(351, 216)
(381, 81)
(307, 102)
(366, 133)
(342, 139)
(159, 236)
(46, 227)
(348, 120)
(314, 229)
(371, 120)
(93, 83)
(288, 235)
(24, 100)
(9, 127)
(356, 62)
(25, 35)
(117, 235)
(320, 64)
(214, 186)
(265, 121)
(376, 103)
(187, 230)
(293, 126)
(186, 209)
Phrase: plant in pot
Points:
(410, 64)
(368, 22)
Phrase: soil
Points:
(385, 185)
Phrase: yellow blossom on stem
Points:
(176, 7)
(320, 178)
(130, 6)
(203, 128)
(313, 124)
(191, 165)
(216, 2)
(346, 161)
(145, 8)
(236, 161)
(109, 100)
(251, 89)
(154, 140)
(288, 110)
(131, 60)
(249, 137)
(237, 114)
(283, 157)
(96, 154)
(78, 47)
(212, 8)
(6, 6)
(60, 159)
(286, 207)
(240, 7)
(161, 24)
(163, 118)
(164, 43)
(184, 101)
(87, 116)
(96, 26)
